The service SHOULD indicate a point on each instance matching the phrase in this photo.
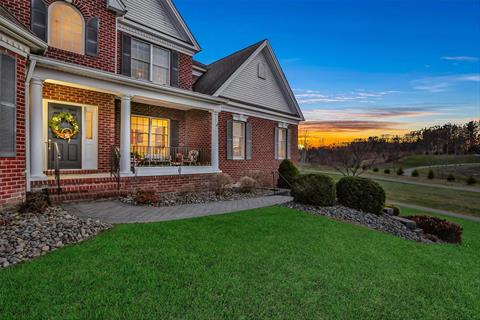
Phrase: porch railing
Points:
(170, 156)
(53, 151)
(115, 164)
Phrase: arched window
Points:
(66, 27)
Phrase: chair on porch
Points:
(192, 158)
(178, 159)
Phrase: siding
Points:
(249, 88)
(154, 14)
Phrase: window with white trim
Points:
(150, 62)
(282, 143)
(238, 140)
(149, 132)
(66, 27)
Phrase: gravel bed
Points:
(180, 198)
(383, 222)
(24, 236)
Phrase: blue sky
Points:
(397, 65)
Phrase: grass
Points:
(273, 263)
(431, 160)
(464, 202)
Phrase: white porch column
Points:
(37, 145)
(125, 111)
(214, 143)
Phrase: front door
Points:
(70, 149)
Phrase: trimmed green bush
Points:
(471, 181)
(415, 173)
(450, 178)
(375, 169)
(386, 171)
(400, 171)
(316, 189)
(430, 175)
(361, 194)
(288, 173)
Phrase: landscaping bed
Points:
(24, 236)
(383, 222)
(180, 198)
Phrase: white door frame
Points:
(89, 147)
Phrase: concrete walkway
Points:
(435, 211)
(114, 211)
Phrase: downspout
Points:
(31, 67)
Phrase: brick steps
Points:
(80, 196)
(72, 181)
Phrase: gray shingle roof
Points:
(219, 71)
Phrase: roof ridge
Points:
(257, 44)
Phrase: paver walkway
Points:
(114, 211)
(435, 211)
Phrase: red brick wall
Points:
(176, 183)
(12, 170)
(263, 147)
(89, 8)
(106, 115)
(198, 129)
(185, 71)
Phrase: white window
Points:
(282, 143)
(150, 62)
(149, 132)
(238, 140)
(66, 27)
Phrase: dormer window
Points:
(66, 27)
(150, 62)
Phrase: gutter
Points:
(22, 35)
(116, 78)
(28, 77)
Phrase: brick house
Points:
(87, 81)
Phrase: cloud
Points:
(442, 83)
(461, 58)
(349, 126)
(313, 97)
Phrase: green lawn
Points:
(431, 160)
(261, 264)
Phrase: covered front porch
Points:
(156, 130)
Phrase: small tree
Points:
(430, 175)
(287, 174)
(415, 173)
(450, 178)
(400, 171)
(352, 159)
(471, 181)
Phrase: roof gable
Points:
(161, 16)
(236, 77)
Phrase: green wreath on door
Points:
(55, 124)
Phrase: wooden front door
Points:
(71, 150)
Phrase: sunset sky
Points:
(358, 68)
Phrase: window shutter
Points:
(126, 54)
(248, 140)
(174, 133)
(276, 143)
(91, 36)
(39, 19)
(7, 106)
(289, 151)
(174, 70)
(230, 139)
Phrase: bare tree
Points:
(352, 159)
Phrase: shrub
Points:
(361, 194)
(316, 189)
(247, 184)
(471, 181)
(450, 178)
(35, 202)
(443, 229)
(218, 182)
(396, 210)
(288, 173)
(386, 171)
(260, 177)
(430, 175)
(400, 171)
(415, 173)
(146, 197)
(375, 169)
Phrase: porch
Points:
(156, 133)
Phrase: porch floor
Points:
(114, 211)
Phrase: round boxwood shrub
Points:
(386, 171)
(430, 175)
(288, 173)
(415, 173)
(316, 189)
(361, 194)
